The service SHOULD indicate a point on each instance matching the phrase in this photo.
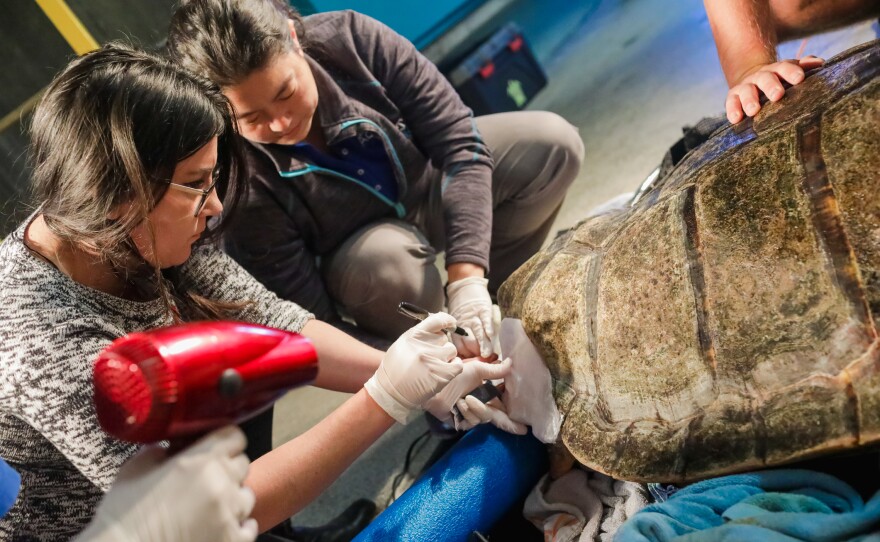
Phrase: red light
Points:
(515, 44)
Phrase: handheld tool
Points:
(178, 382)
(417, 313)
(484, 393)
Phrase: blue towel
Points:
(768, 506)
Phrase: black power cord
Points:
(419, 441)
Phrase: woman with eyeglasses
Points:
(130, 155)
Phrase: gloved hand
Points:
(193, 496)
(415, 368)
(476, 412)
(470, 304)
(472, 375)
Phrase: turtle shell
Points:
(725, 321)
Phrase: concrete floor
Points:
(629, 74)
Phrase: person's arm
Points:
(744, 36)
(463, 270)
(414, 370)
(746, 39)
(345, 363)
(292, 475)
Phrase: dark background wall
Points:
(33, 51)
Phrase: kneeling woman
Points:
(127, 151)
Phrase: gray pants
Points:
(537, 156)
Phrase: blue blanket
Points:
(768, 506)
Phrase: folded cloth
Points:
(528, 393)
(770, 506)
(583, 505)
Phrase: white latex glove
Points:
(476, 412)
(470, 304)
(472, 376)
(193, 496)
(415, 368)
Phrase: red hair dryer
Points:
(188, 379)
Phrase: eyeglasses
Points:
(203, 193)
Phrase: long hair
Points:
(226, 40)
(109, 130)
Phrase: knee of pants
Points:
(377, 269)
(551, 162)
(372, 294)
(391, 281)
(565, 144)
(541, 165)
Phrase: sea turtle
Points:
(725, 321)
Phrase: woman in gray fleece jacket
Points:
(365, 164)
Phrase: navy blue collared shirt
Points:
(362, 159)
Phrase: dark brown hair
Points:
(226, 40)
(110, 129)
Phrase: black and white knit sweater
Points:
(51, 330)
